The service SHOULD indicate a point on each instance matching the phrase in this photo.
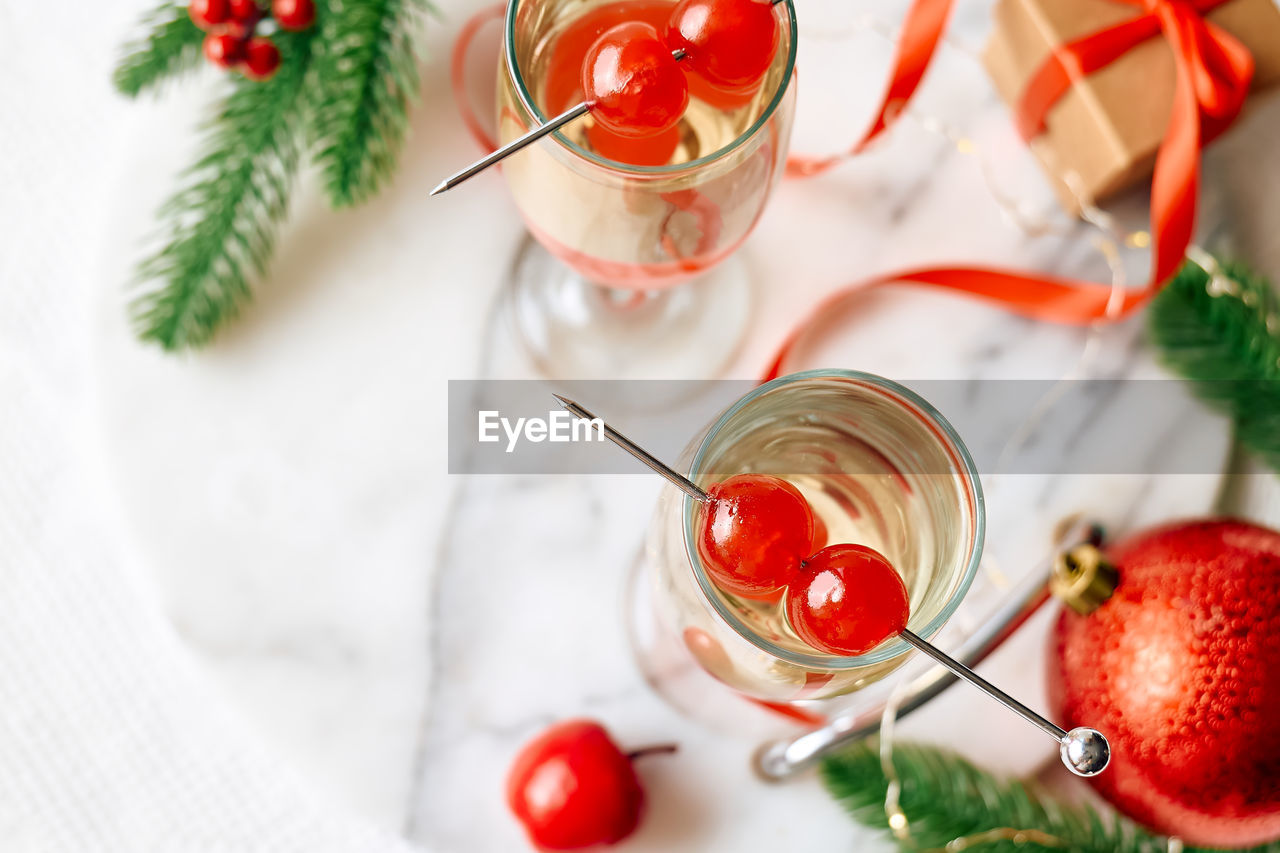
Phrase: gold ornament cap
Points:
(1083, 578)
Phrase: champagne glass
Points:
(630, 270)
(880, 467)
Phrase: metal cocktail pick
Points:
(1085, 751)
(512, 147)
(571, 114)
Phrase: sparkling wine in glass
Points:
(631, 269)
(880, 468)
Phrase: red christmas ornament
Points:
(294, 14)
(1180, 668)
(572, 787)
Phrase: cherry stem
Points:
(652, 750)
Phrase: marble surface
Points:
(397, 632)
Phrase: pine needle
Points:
(945, 798)
(221, 226)
(366, 79)
(1223, 334)
(345, 85)
(170, 47)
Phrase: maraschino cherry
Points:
(562, 87)
(847, 600)
(572, 787)
(755, 530)
(730, 43)
(633, 85)
(820, 535)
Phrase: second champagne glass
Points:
(630, 272)
(880, 467)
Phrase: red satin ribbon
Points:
(1213, 74)
(921, 31)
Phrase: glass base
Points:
(572, 328)
(670, 670)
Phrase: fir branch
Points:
(170, 47)
(222, 224)
(945, 798)
(1223, 334)
(366, 78)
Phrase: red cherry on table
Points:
(207, 14)
(261, 59)
(223, 49)
(754, 531)
(294, 14)
(632, 83)
(730, 43)
(820, 535)
(572, 787)
(849, 600)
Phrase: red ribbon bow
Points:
(1214, 70)
(1213, 74)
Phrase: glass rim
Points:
(887, 650)
(526, 100)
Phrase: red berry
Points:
(631, 81)
(572, 787)
(261, 59)
(207, 14)
(754, 532)
(729, 42)
(849, 600)
(239, 30)
(653, 150)
(223, 49)
(294, 14)
(245, 11)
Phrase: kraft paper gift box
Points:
(1105, 130)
